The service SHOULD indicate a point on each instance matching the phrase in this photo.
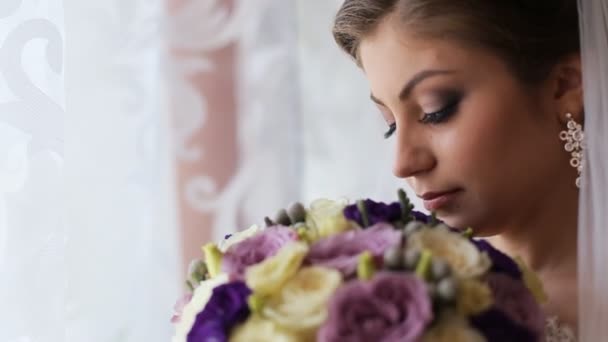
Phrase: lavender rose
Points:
(390, 307)
(256, 249)
(515, 316)
(226, 308)
(341, 251)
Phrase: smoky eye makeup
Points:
(446, 104)
(437, 107)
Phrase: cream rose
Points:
(462, 255)
(326, 217)
(258, 329)
(301, 304)
(268, 277)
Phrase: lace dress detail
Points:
(558, 332)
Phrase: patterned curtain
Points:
(88, 240)
(132, 132)
(281, 115)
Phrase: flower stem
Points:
(363, 210)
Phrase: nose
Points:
(414, 156)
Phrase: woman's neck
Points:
(547, 242)
(546, 239)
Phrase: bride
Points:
(484, 100)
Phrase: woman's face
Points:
(478, 146)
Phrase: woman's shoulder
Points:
(558, 332)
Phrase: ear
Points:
(567, 84)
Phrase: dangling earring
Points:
(575, 144)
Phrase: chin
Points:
(461, 221)
(454, 220)
(479, 230)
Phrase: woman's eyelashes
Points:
(433, 118)
(442, 114)
(391, 129)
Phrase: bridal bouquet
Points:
(366, 271)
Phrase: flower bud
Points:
(296, 212)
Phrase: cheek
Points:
(478, 141)
(495, 150)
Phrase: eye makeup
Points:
(450, 101)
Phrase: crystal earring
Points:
(575, 144)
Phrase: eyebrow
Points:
(411, 84)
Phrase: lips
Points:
(434, 201)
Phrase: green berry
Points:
(439, 269)
(197, 272)
(411, 258)
(447, 289)
(282, 218)
(297, 212)
(268, 222)
(393, 258)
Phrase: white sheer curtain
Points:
(295, 107)
(305, 125)
(33, 244)
(88, 244)
(344, 150)
(104, 104)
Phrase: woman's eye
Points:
(441, 115)
(391, 129)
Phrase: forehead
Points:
(390, 55)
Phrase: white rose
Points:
(200, 297)
(301, 304)
(462, 255)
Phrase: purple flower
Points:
(376, 212)
(341, 251)
(381, 212)
(226, 308)
(255, 250)
(390, 307)
(515, 315)
(501, 263)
